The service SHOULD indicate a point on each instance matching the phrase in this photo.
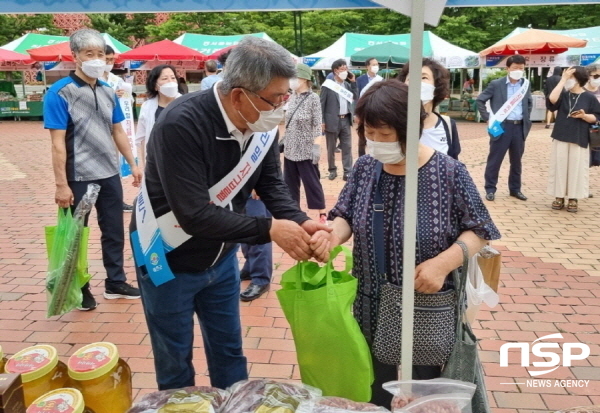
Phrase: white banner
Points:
(339, 89)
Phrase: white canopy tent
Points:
(451, 56)
(420, 11)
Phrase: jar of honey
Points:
(40, 370)
(64, 400)
(2, 360)
(102, 377)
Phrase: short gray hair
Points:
(254, 63)
(85, 38)
(592, 68)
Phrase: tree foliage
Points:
(14, 26)
(473, 28)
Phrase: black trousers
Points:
(109, 208)
(343, 132)
(308, 173)
(386, 372)
(513, 142)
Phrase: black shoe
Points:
(245, 275)
(519, 195)
(127, 207)
(490, 196)
(332, 176)
(254, 291)
(88, 302)
(338, 150)
(547, 126)
(590, 195)
(121, 290)
(345, 178)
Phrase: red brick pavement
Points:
(548, 282)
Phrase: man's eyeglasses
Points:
(274, 105)
(595, 76)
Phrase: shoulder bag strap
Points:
(461, 288)
(297, 107)
(378, 223)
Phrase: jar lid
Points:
(58, 401)
(33, 362)
(93, 361)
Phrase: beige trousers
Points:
(569, 173)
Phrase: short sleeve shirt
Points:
(87, 115)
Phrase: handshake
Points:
(305, 241)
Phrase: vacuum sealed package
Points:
(267, 396)
(431, 396)
(185, 400)
(337, 405)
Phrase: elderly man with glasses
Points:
(208, 151)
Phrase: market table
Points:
(16, 109)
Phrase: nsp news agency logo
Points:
(570, 353)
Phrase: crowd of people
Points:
(212, 180)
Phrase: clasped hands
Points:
(305, 241)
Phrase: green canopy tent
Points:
(388, 53)
(33, 41)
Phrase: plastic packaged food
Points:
(102, 377)
(431, 396)
(2, 360)
(40, 370)
(337, 405)
(267, 396)
(202, 399)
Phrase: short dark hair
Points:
(211, 66)
(386, 104)
(153, 76)
(338, 63)
(516, 58)
(557, 71)
(109, 50)
(441, 79)
(223, 57)
(581, 75)
(369, 60)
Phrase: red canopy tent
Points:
(53, 53)
(163, 50)
(219, 52)
(8, 56)
(534, 41)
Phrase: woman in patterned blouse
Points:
(303, 125)
(449, 209)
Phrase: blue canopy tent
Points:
(420, 11)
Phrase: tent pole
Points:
(23, 82)
(300, 23)
(296, 33)
(417, 25)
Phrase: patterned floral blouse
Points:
(305, 126)
(448, 205)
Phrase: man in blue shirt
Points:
(515, 127)
(210, 68)
(84, 119)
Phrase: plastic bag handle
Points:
(327, 269)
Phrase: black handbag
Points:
(282, 141)
(434, 314)
(594, 135)
(464, 363)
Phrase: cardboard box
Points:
(11, 394)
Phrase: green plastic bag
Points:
(59, 241)
(333, 354)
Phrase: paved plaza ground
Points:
(550, 279)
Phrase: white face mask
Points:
(385, 152)
(267, 120)
(595, 82)
(570, 84)
(294, 83)
(108, 68)
(427, 92)
(374, 69)
(515, 74)
(93, 68)
(343, 75)
(170, 89)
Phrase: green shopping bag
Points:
(333, 354)
(59, 239)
